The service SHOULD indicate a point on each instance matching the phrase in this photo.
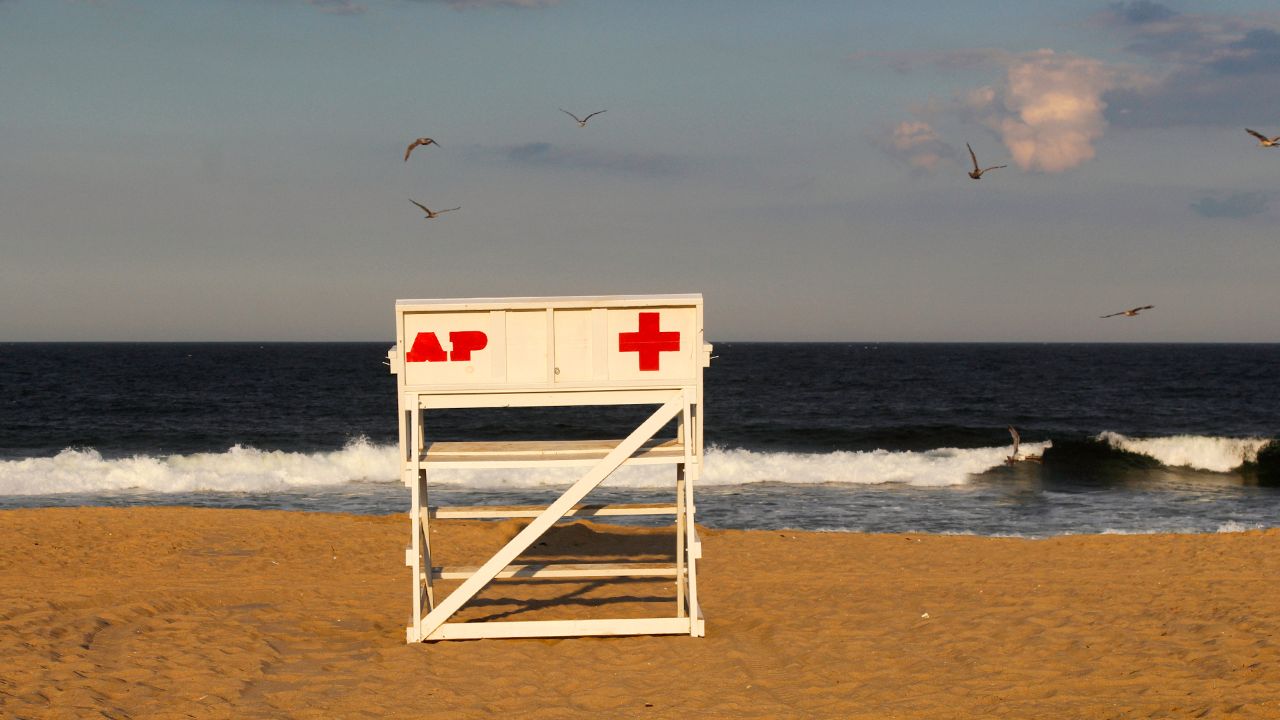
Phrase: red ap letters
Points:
(426, 347)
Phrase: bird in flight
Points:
(416, 143)
(1130, 312)
(582, 122)
(976, 172)
(433, 213)
(1263, 140)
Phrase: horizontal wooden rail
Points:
(562, 453)
(564, 570)
(528, 511)
(560, 628)
(555, 395)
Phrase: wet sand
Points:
(179, 612)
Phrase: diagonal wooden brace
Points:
(556, 510)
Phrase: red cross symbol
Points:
(649, 341)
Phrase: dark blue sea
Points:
(839, 436)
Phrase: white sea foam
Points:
(1234, 526)
(1230, 526)
(246, 469)
(239, 469)
(1215, 454)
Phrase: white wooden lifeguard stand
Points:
(557, 351)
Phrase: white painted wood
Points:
(563, 570)
(600, 350)
(639, 383)
(528, 344)
(455, 398)
(424, 530)
(538, 352)
(538, 303)
(447, 329)
(549, 362)
(415, 628)
(693, 547)
(476, 512)
(681, 588)
(544, 449)
(555, 511)
(673, 365)
(497, 344)
(494, 343)
(574, 345)
(563, 453)
(561, 628)
(520, 462)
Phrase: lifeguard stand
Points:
(558, 351)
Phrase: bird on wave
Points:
(433, 213)
(976, 172)
(582, 122)
(1131, 312)
(416, 143)
(1017, 441)
(1263, 140)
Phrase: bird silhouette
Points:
(1263, 140)
(420, 141)
(582, 122)
(1017, 441)
(433, 213)
(1130, 312)
(976, 172)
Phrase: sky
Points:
(184, 170)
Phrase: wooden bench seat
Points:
(541, 453)
(530, 511)
(564, 570)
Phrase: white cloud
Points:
(1049, 111)
(918, 144)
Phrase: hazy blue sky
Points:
(232, 169)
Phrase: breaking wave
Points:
(247, 469)
(240, 469)
(1215, 454)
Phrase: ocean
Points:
(872, 437)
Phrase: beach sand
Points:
(179, 612)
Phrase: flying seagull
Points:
(1130, 312)
(416, 143)
(1263, 140)
(582, 122)
(976, 172)
(433, 213)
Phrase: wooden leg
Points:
(680, 564)
(683, 436)
(526, 537)
(424, 514)
(414, 632)
(694, 547)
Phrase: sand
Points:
(179, 612)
